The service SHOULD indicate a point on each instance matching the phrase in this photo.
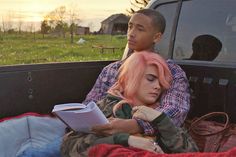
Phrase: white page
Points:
(68, 106)
(83, 119)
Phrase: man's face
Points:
(149, 89)
(141, 33)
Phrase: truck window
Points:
(168, 10)
(206, 32)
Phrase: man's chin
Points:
(132, 47)
(136, 49)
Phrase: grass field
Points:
(30, 48)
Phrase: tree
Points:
(20, 23)
(31, 28)
(3, 25)
(61, 28)
(57, 20)
(19, 18)
(45, 28)
(137, 5)
(7, 22)
(73, 15)
(61, 20)
(1, 37)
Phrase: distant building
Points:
(115, 24)
(82, 30)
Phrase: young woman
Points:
(143, 77)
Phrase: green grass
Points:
(27, 49)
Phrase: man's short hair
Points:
(158, 19)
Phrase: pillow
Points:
(27, 131)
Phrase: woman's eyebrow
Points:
(155, 76)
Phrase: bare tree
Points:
(1, 37)
(7, 22)
(73, 15)
(137, 5)
(19, 24)
(18, 17)
(32, 30)
(3, 25)
(30, 27)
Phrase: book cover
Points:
(80, 117)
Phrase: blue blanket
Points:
(31, 135)
(49, 150)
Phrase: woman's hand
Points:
(144, 143)
(145, 113)
(117, 125)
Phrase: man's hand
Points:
(117, 125)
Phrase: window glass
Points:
(168, 11)
(207, 31)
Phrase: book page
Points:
(82, 119)
(68, 106)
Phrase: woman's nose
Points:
(158, 86)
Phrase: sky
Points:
(91, 12)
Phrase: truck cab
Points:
(200, 36)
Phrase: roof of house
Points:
(113, 17)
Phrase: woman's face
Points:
(149, 89)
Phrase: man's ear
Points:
(157, 37)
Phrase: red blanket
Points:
(107, 150)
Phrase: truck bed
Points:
(37, 88)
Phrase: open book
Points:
(80, 117)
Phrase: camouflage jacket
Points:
(170, 138)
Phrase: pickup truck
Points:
(212, 75)
(37, 88)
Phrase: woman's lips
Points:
(154, 94)
(131, 42)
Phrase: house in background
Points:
(82, 30)
(115, 24)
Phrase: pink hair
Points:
(132, 71)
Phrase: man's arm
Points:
(117, 125)
(175, 102)
(104, 81)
